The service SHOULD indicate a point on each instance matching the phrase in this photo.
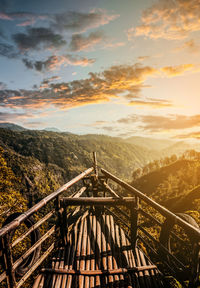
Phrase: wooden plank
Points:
(113, 248)
(103, 250)
(98, 249)
(88, 251)
(83, 253)
(108, 247)
(93, 241)
(118, 254)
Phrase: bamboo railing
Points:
(6, 246)
(137, 214)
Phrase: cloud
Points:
(54, 62)
(51, 79)
(46, 81)
(112, 45)
(172, 122)
(6, 116)
(154, 103)
(80, 42)
(80, 22)
(172, 19)
(76, 22)
(190, 45)
(110, 128)
(98, 123)
(162, 123)
(34, 124)
(193, 135)
(172, 71)
(38, 38)
(143, 58)
(98, 88)
(128, 120)
(8, 51)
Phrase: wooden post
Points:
(8, 261)
(134, 221)
(195, 265)
(60, 210)
(95, 164)
(65, 224)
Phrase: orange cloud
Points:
(172, 122)
(173, 19)
(172, 71)
(154, 103)
(98, 88)
(157, 123)
(193, 135)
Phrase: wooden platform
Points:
(98, 254)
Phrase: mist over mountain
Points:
(12, 126)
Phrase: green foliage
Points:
(175, 184)
(11, 199)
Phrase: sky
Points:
(121, 68)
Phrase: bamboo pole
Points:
(15, 223)
(188, 227)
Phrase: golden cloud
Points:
(98, 88)
(172, 19)
(162, 123)
(172, 71)
(154, 103)
(191, 135)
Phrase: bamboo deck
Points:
(98, 254)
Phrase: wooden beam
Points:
(112, 192)
(89, 201)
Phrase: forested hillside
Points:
(173, 182)
(73, 153)
(43, 160)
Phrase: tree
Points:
(10, 199)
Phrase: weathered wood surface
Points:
(98, 254)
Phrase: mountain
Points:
(176, 186)
(44, 160)
(150, 143)
(177, 148)
(164, 147)
(52, 129)
(12, 126)
(73, 153)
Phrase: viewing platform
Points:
(99, 235)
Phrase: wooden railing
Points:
(146, 215)
(15, 270)
(145, 222)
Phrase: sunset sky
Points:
(121, 68)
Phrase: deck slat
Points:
(96, 243)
